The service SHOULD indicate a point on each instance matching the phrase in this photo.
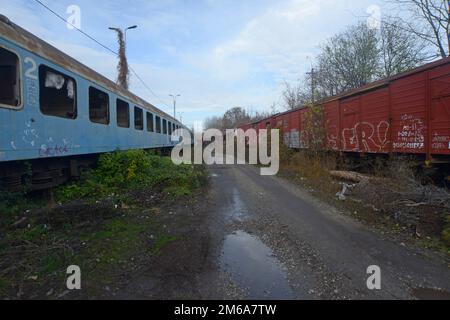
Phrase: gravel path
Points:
(270, 239)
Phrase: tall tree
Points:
(427, 19)
(400, 49)
(348, 60)
(234, 117)
(295, 95)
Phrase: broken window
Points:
(138, 119)
(57, 93)
(170, 128)
(150, 122)
(98, 106)
(164, 126)
(123, 114)
(9, 79)
(158, 124)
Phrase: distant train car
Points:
(408, 114)
(56, 113)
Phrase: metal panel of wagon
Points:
(408, 112)
(440, 114)
(294, 129)
(350, 117)
(331, 120)
(305, 128)
(373, 126)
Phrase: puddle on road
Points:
(237, 210)
(253, 266)
(430, 294)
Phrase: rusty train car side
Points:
(406, 114)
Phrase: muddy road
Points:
(280, 242)
(259, 237)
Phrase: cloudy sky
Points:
(215, 53)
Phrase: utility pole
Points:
(122, 67)
(174, 96)
(313, 83)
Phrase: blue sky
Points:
(216, 53)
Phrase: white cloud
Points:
(277, 41)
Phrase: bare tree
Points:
(400, 50)
(295, 95)
(348, 60)
(429, 20)
(235, 117)
(213, 122)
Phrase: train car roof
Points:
(28, 41)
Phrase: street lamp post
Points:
(174, 103)
(124, 31)
(122, 78)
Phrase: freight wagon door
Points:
(294, 129)
(349, 124)
(440, 115)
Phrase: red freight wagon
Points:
(407, 113)
(283, 123)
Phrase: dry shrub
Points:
(309, 166)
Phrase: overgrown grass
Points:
(311, 167)
(100, 233)
(120, 172)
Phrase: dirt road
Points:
(256, 237)
(280, 242)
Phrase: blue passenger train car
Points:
(57, 114)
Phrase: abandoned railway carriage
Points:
(57, 113)
(408, 114)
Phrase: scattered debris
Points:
(345, 191)
(349, 176)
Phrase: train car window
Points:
(57, 93)
(170, 128)
(138, 119)
(150, 122)
(98, 106)
(123, 114)
(158, 124)
(164, 126)
(173, 126)
(9, 79)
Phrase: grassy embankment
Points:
(395, 198)
(105, 223)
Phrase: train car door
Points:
(350, 112)
(440, 115)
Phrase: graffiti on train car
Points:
(411, 134)
(440, 142)
(30, 134)
(51, 151)
(366, 136)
